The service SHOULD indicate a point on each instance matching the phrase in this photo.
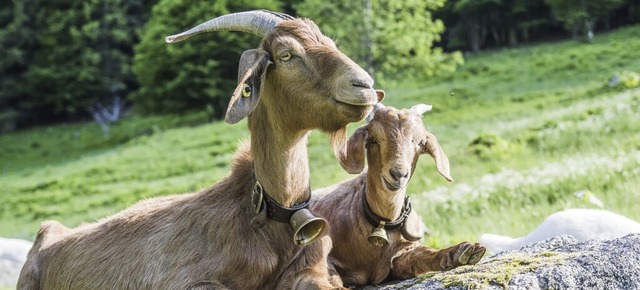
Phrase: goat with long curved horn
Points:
(258, 22)
(236, 234)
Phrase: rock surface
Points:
(558, 263)
(13, 253)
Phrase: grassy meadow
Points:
(526, 130)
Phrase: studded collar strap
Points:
(375, 220)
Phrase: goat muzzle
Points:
(307, 227)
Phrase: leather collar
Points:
(375, 219)
(275, 211)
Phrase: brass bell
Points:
(379, 236)
(307, 228)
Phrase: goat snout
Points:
(398, 173)
(398, 178)
(355, 86)
(365, 84)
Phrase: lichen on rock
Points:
(558, 263)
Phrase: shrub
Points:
(198, 74)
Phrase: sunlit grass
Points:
(506, 119)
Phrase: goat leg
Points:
(312, 280)
(423, 259)
(334, 277)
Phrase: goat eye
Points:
(421, 143)
(285, 56)
(246, 90)
(371, 140)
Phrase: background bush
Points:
(199, 74)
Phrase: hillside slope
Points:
(525, 128)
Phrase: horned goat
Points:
(236, 234)
(583, 224)
(376, 201)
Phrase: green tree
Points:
(475, 20)
(580, 16)
(15, 42)
(196, 74)
(110, 29)
(475, 24)
(516, 18)
(392, 39)
(64, 56)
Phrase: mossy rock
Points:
(557, 263)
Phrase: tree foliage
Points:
(60, 58)
(393, 39)
(477, 24)
(474, 23)
(64, 56)
(580, 16)
(198, 73)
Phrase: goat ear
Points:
(353, 161)
(442, 162)
(380, 94)
(251, 71)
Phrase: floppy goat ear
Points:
(251, 72)
(432, 147)
(353, 160)
(351, 157)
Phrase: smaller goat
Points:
(376, 200)
(580, 223)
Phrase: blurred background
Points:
(536, 103)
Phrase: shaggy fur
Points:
(206, 240)
(393, 141)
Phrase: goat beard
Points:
(339, 144)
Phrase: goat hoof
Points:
(463, 254)
(468, 254)
(478, 253)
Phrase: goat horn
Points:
(258, 22)
(373, 112)
(421, 108)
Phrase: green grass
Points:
(524, 129)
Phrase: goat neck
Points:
(280, 158)
(383, 203)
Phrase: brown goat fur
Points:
(206, 240)
(393, 141)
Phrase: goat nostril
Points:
(397, 174)
(360, 84)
